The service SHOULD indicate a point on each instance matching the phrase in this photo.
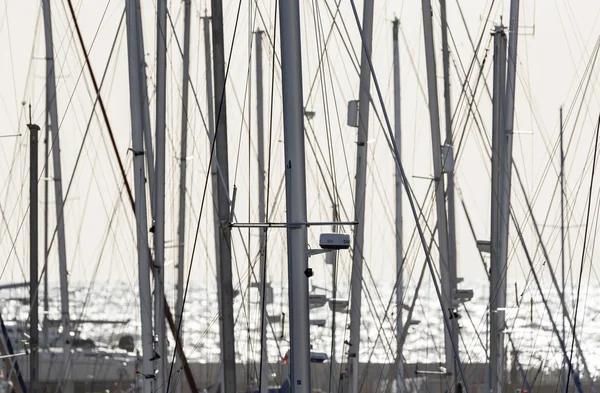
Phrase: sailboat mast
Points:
(214, 169)
(182, 174)
(33, 259)
(46, 182)
(262, 236)
(159, 197)
(295, 187)
(139, 177)
(440, 200)
(399, 239)
(223, 205)
(362, 151)
(448, 169)
(562, 240)
(497, 267)
(51, 107)
(146, 128)
(504, 189)
(331, 259)
(509, 105)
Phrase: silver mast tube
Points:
(46, 189)
(497, 268)
(146, 128)
(139, 178)
(51, 106)
(440, 199)
(159, 196)
(449, 170)
(182, 177)
(225, 281)
(262, 239)
(504, 185)
(362, 151)
(399, 238)
(563, 375)
(214, 171)
(331, 260)
(295, 184)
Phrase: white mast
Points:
(223, 206)
(399, 238)
(159, 197)
(504, 187)
(440, 200)
(562, 240)
(497, 268)
(139, 177)
(146, 128)
(51, 107)
(46, 187)
(331, 260)
(295, 185)
(362, 151)
(214, 170)
(262, 239)
(182, 176)
(448, 169)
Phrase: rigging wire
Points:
(583, 251)
(12, 66)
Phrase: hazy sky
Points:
(555, 45)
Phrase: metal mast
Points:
(262, 239)
(295, 187)
(497, 267)
(440, 201)
(399, 238)
(136, 64)
(448, 169)
(46, 181)
(214, 169)
(33, 259)
(360, 195)
(159, 196)
(223, 206)
(509, 108)
(182, 175)
(51, 107)
(331, 259)
(146, 128)
(562, 238)
(504, 187)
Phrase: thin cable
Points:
(587, 221)
(102, 107)
(263, 273)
